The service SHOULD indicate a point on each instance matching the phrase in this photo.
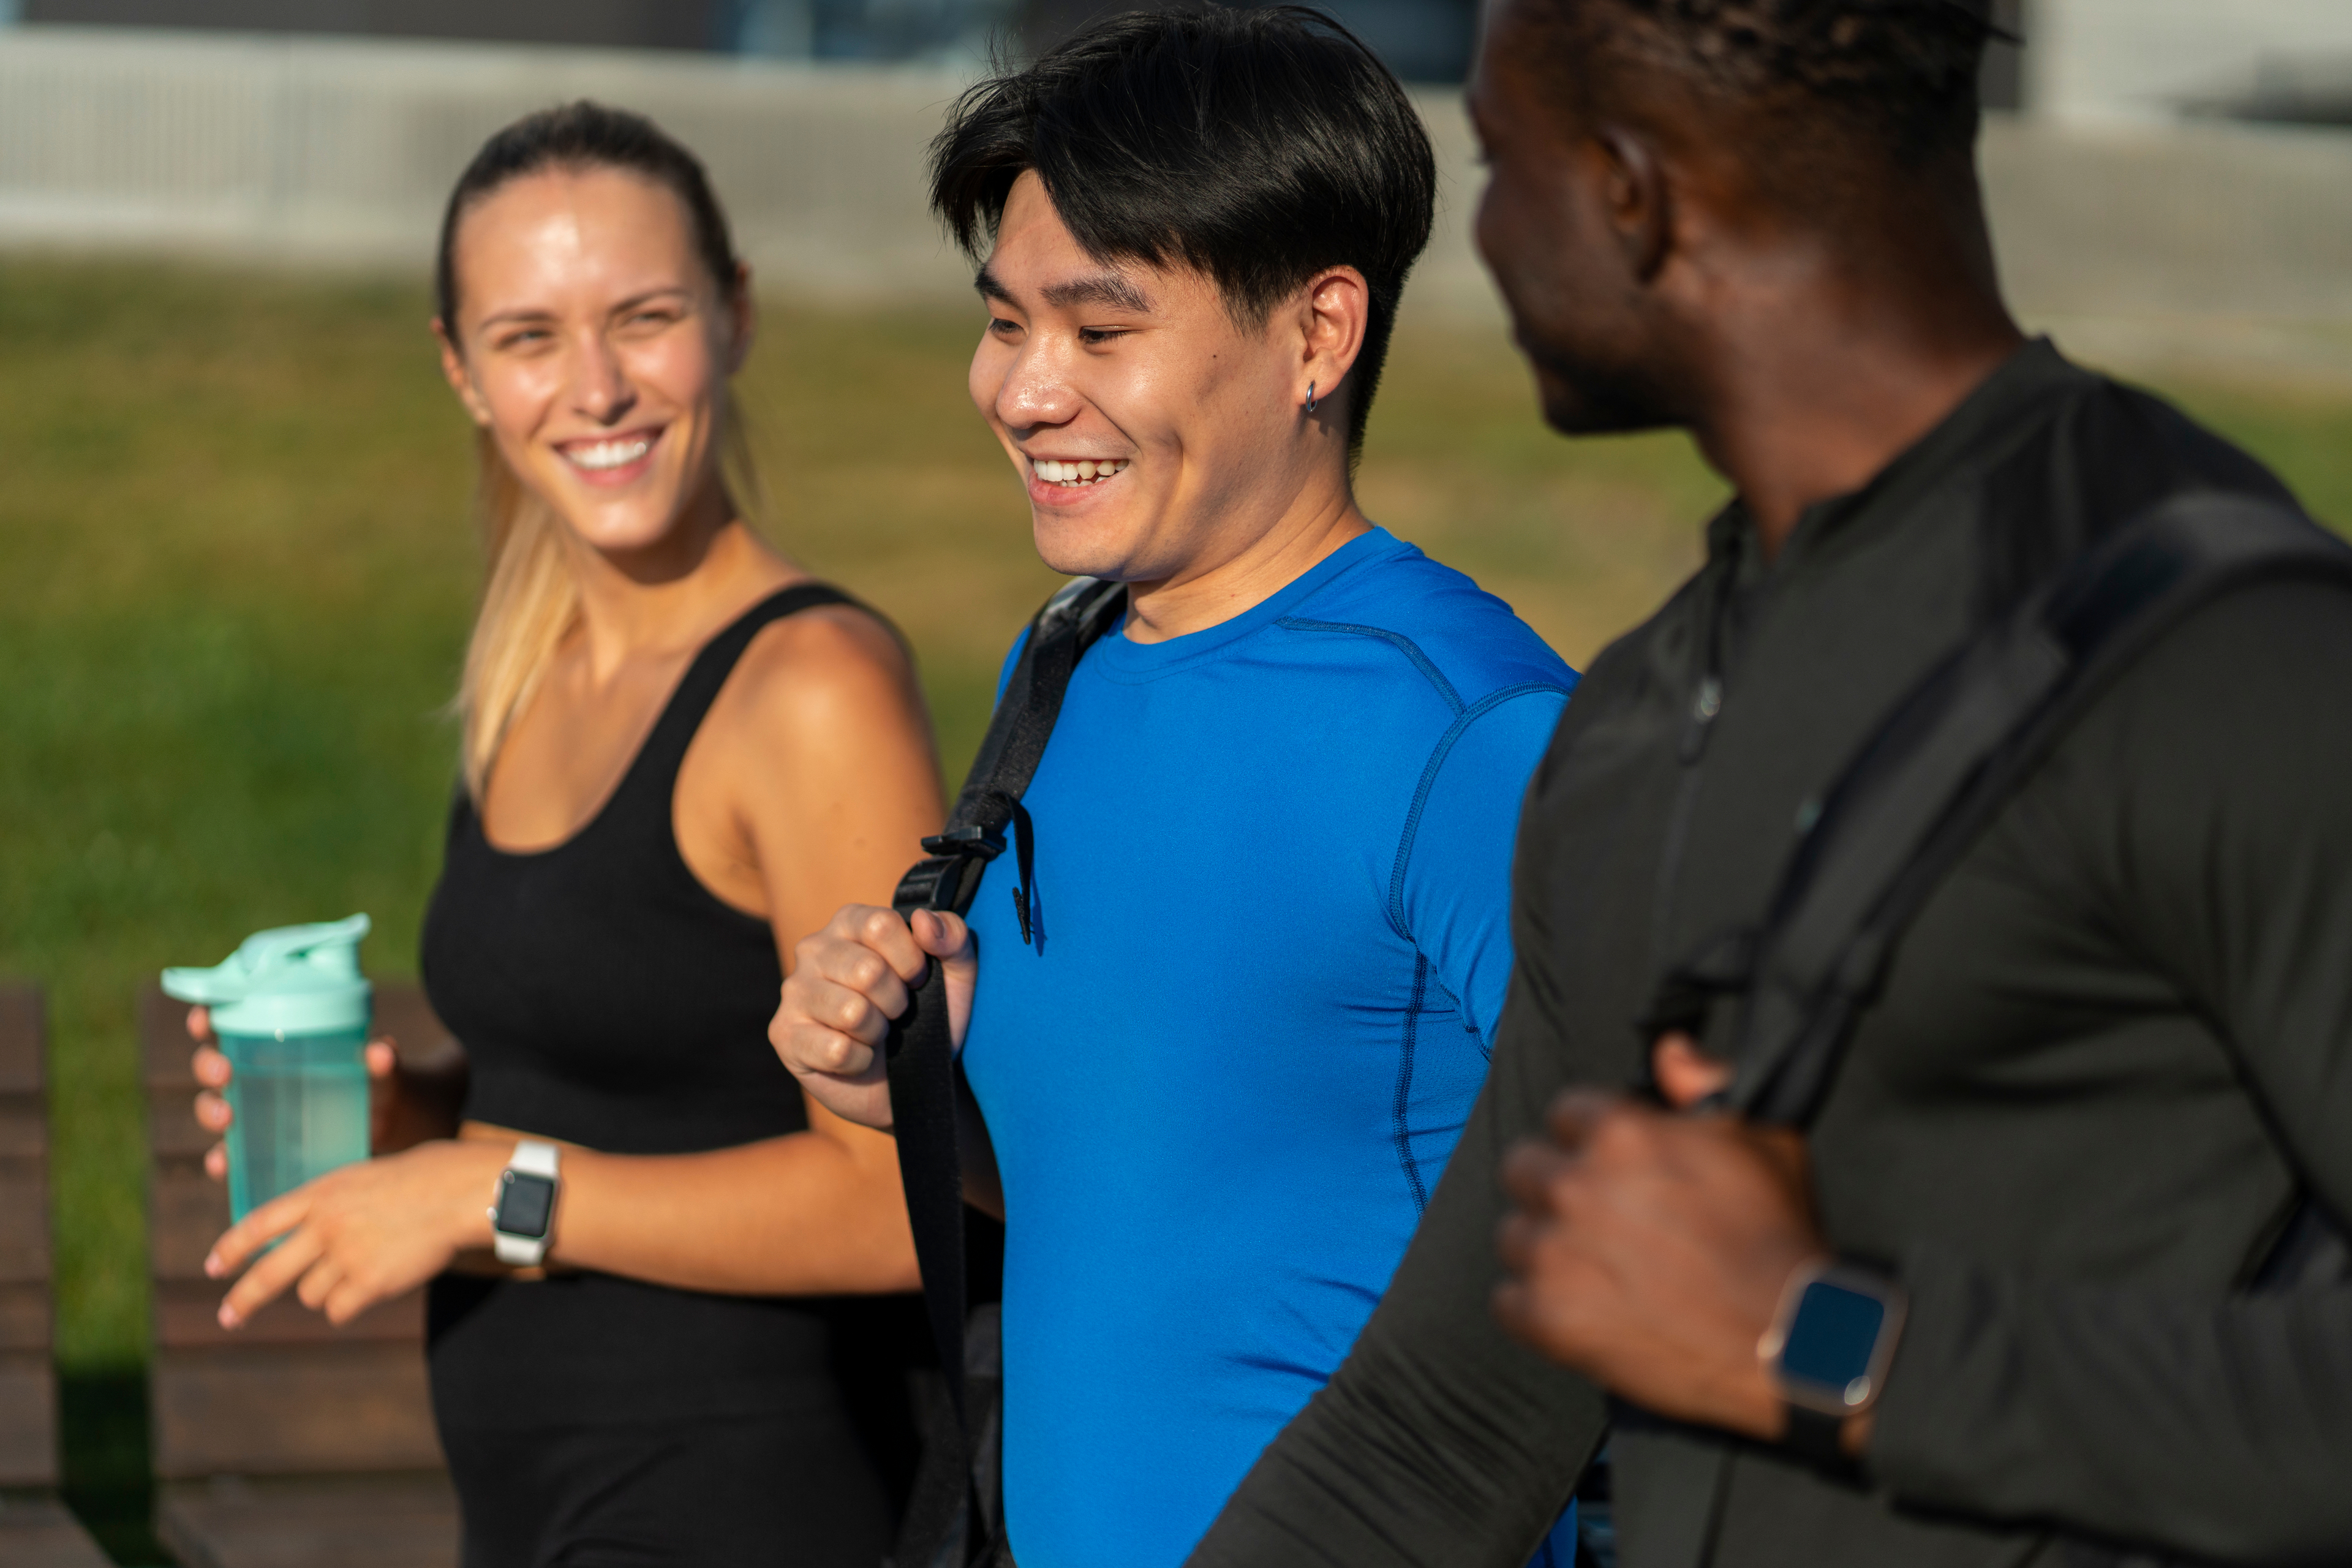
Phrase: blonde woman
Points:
(680, 756)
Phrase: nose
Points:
(600, 384)
(1036, 393)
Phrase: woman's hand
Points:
(408, 1102)
(365, 1233)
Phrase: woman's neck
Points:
(672, 596)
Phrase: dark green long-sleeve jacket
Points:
(2111, 1049)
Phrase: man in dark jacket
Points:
(2114, 1053)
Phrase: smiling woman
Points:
(680, 753)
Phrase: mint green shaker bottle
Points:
(292, 1010)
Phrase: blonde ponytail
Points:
(529, 601)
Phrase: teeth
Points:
(610, 454)
(1086, 470)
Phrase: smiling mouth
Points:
(610, 452)
(1078, 473)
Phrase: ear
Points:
(460, 380)
(745, 313)
(1333, 312)
(1639, 198)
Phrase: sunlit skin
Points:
(1653, 280)
(587, 320)
(1232, 489)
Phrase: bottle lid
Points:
(296, 980)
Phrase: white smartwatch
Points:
(524, 1211)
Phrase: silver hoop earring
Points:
(1310, 397)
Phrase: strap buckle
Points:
(946, 879)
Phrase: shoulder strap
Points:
(923, 1067)
(1953, 752)
(665, 747)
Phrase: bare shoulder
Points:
(818, 674)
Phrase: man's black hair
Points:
(1897, 77)
(1255, 146)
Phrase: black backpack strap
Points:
(1954, 750)
(921, 1054)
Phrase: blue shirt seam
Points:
(1398, 640)
(1430, 770)
(1406, 1046)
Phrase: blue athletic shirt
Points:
(1271, 895)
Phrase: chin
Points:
(1585, 404)
(1081, 548)
(625, 533)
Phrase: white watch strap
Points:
(532, 1157)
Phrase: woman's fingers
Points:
(200, 1024)
(318, 1282)
(249, 1235)
(382, 1058)
(212, 1073)
(267, 1280)
(216, 1162)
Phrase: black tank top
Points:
(604, 996)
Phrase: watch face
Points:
(526, 1202)
(1833, 1336)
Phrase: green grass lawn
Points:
(235, 571)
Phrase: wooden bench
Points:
(35, 1531)
(289, 1442)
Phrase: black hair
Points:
(1897, 77)
(1254, 146)
(577, 136)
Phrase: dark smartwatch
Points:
(1828, 1350)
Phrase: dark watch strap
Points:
(1813, 1436)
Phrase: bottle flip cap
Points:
(296, 980)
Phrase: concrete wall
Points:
(307, 151)
(2142, 59)
(317, 151)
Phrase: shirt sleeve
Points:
(2210, 788)
(1440, 1440)
(1450, 889)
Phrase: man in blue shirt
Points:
(1222, 1069)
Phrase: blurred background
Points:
(237, 562)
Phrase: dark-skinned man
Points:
(2115, 1050)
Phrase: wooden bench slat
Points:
(186, 1212)
(173, 1130)
(39, 1532)
(23, 1221)
(25, 1323)
(188, 1318)
(24, 1127)
(23, 1038)
(292, 1410)
(386, 1522)
(28, 1392)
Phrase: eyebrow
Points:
(539, 313)
(1110, 289)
